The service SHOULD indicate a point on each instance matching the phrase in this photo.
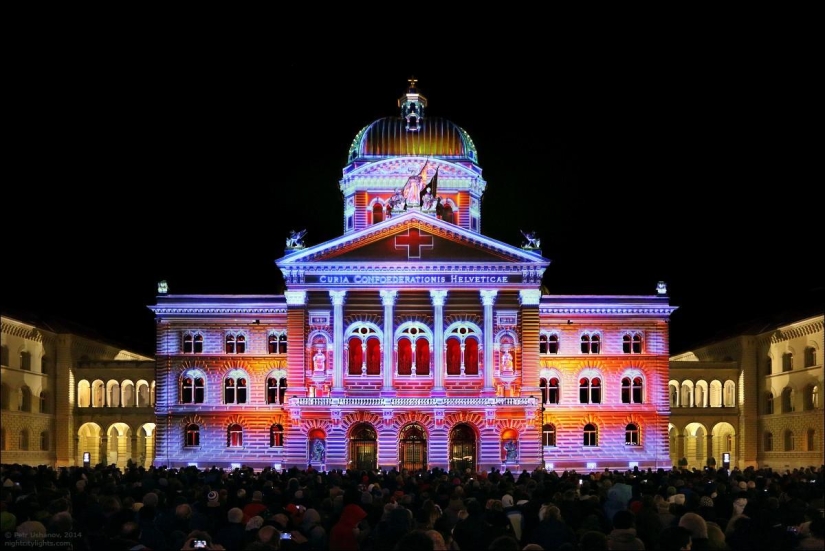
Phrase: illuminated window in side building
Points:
(235, 344)
(769, 403)
(276, 343)
(631, 435)
(234, 389)
(44, 441)
(810, 356)
(769, 366)
(25, 361)
(590, 390)
(275, 390)
(235, 436)
(24, 440)
(632, 390)
(276, 436)
(768, 442)
(591, 435)
(632, 343)
(550, 392)
(810, 440)
(787, 362)
(192, 343)
(25, 402)
(590, 343)
(548, 434)
(192, 389)
(192, 435)
(548, 343)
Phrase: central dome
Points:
(431, 137)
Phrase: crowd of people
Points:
(243, 509)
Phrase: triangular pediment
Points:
(413, 250)
(413, 237)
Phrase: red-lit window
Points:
(453, 356)
(235, 436)
(192, 391)
(422, 357)
(632, 390)
(632, 344)
(471, 357)
(193, 435)
(275, 390)
(590, 343)
(276, 436)
(404, 357)
(356, 356)
(373, 356)
(590, 390)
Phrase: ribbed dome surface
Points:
(436, 137)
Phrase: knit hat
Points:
(743, 485)
(212, 499)
(706, 501)
(507, 500)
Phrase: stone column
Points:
(388, 298)
(337, 298)
(488, 298)
(438, 297)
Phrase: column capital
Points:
(438, 296)
(337, 297)
(295, 298)
(529, 297)
(388, 296)
(488, 297)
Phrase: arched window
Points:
(44, 402)
(356, 356)
(591, 435)
(632, 390)
(550, 390)
(590, 343)
(590, 390)
(548, 343)
(815, 397)
(632, 343)
(548, 434)
(234, 389)
(810, 440)
(24, 439)
(192, 390)
(275, 390)
(453, 356)
(276, 436)
(631, 435)
(769, 366)
(44, 441)
(25, 399)
(787, 400)
(234, 436)
(422, 357)
(373, 356)
(789, 441)
(787, 362)
(276, 343)
(674, 395)
(404, 357)
(25, 361)
(471, 357)
(192, 344)
(810, 356)
(235, 344)
(769, 403)
(192, 436)
(768, 442)
(377, 213)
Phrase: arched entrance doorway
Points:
(363, 448)
(412, 448)
(462, 448)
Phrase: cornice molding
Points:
(171, 310)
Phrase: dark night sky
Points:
(680, 164)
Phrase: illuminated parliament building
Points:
(413, 340)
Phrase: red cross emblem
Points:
(414, 242)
